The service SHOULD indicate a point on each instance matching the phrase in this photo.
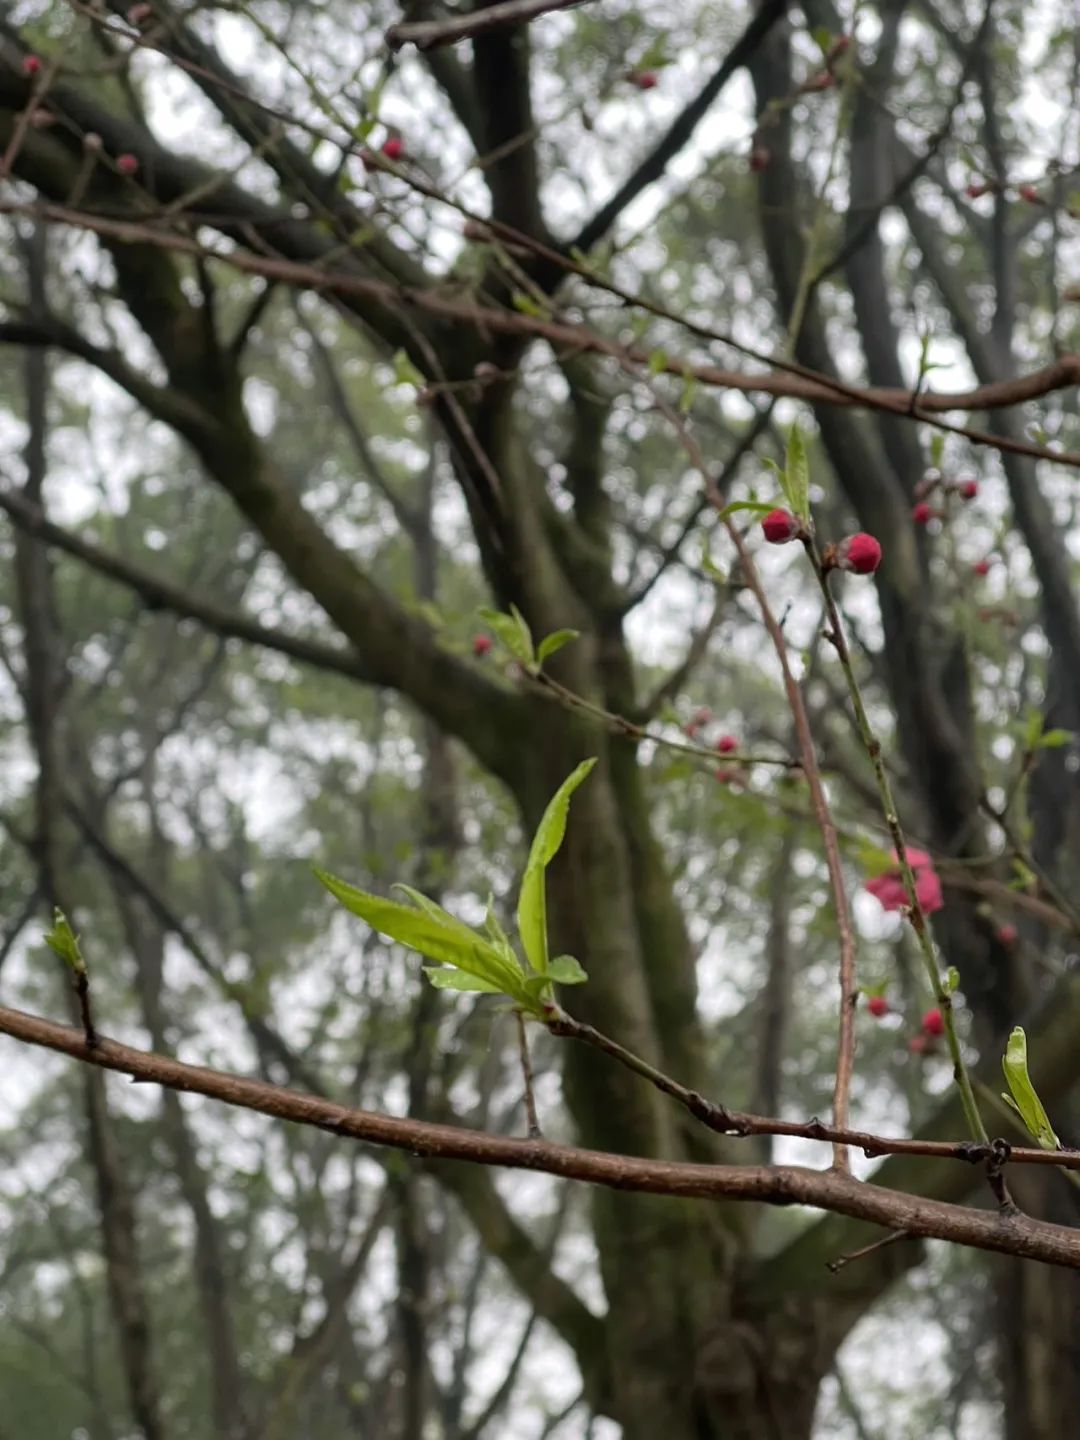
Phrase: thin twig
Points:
(863, 1251)
(430, 34)
(532, 1120)
(923, 934)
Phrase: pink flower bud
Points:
(859, 553)
(31, 66)
(968, 489)
(933, 1022)
(1008, 934)
(780, 526)
(726, 744)
(644, 79)
(918, 1044)
(981, 567)
(1029, 193)
(878, 1006)
(393, 148)
(127, 164)
(760, 158)
(922, 513)
(976, 190)
(481, 645)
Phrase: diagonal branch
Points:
(682, 127)
(158, 594)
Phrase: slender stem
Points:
(741, 1123)
(927, 947)
(532, 1120)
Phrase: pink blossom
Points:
(889, 889)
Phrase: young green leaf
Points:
(553, 642)
(565, 970)
(448, 941)
(756, 507)
(797, 475)
(532, 901)
(1023, 1097)
(63, 941)
(444, 978)
(1054, 739)
(513, 631)
(405, 372)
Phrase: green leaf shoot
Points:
(63, 941)
(532, 900)
(1022, 1094)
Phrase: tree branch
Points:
(772, 1185)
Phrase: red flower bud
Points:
(968, 489)
(726, 777)
(1029, 193)
(922, 513)
(644, 79)
(127, 164)
(976, 190)
(1008, 934)
(760, 158)
(933, 1022)
(860, 553)
(878, 1006)
(31, 65)
(393, 148)
(726, 744)
(981, 567)
(481, 645)
(780, 526)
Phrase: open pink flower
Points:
(889, 888)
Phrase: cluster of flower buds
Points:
(922, 512)
(859, 553)
(976, 189)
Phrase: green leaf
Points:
(797, 475)
(873, 861)
(937, 449)
(757, 507)
(532, 901)
(447, 940)
(63, 941)
(555, 641)
(444, 978)
(689, 390)
(952, 980)
(1054, 739)
(405, 372)
(526, 305)
(658, 362)
(513, 631)
(822, 37)
(565, 970)
(1033, 729)
(1023, 1096)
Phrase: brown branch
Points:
(776, 1185)
(160, 594)
(429, 35)
(926, 406)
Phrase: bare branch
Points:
(773, 1185)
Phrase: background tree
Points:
(315, 343)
